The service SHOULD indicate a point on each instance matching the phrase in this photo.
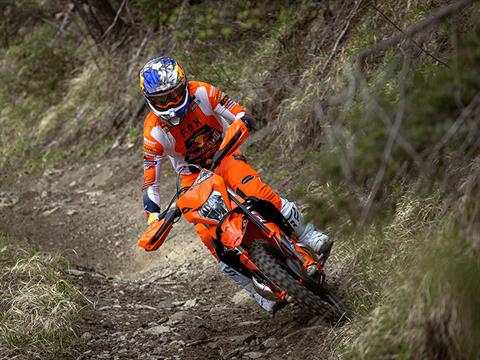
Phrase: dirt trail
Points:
(171, 304)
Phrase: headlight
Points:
(214, 208)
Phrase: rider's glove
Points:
(249, 122)
(152, 218)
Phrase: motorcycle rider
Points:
(186, 122)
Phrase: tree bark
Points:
(98, 16)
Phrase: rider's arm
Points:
(236, 121)
(152, 157)
(151, 176)
(224, 106)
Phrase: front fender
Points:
(232, 231)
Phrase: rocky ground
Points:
(171, 304)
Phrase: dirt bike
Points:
(250, 235)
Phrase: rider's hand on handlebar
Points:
(152, 218)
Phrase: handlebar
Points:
(172, 215)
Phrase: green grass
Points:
(411, 283)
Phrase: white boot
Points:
(307, 234)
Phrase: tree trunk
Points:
(99, 17)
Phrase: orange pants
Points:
(242, 178)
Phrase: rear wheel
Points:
(272, 268)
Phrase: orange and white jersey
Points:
(193, 141)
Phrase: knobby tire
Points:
(272, 268)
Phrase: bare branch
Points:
(85, 36)
(393, 134)
(456, 71)
(412, 40)
(129, 14)
(340, 37)
(466, 112)
(134, 60)
(177, 23)
(411, 30)
(120, 9)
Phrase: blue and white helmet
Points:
(164, 85)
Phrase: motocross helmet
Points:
(165, 88)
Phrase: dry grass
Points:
(38, 307)
(413, 283)
(430, 312)
(301, 117)
(413, 214)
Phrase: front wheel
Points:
(278, 275)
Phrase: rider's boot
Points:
(247, 284)
(307, 234)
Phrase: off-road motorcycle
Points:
(250, 235)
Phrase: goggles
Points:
(169, 99)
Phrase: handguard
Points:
(235, 135)
(237, 126)
(154, 237)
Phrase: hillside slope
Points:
(369, 119)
